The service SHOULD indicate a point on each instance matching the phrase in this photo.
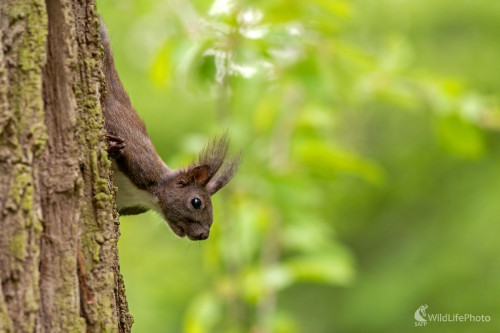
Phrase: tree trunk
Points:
(58, 240)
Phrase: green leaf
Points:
(460, 137)
(261, 282)
(202, 314)
(326, 161)
(330, 268)
(161, 69)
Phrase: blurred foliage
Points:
(370, 179)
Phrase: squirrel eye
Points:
(196, 203)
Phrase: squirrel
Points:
(182, 196)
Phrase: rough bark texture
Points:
(58, 256)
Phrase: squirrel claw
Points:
(115, 144)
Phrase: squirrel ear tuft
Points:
(200, 175)
(225, 175)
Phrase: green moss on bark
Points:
(21, 180)
(75, 170)
(5, 321)
(18, 245)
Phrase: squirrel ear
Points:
(200, 174)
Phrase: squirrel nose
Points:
(202, 235)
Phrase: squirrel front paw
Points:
(115, 144)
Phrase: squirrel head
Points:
(186, 204)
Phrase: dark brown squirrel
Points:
(144, 181)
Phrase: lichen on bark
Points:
(58, 251)
(22, 57)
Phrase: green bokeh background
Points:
(370, 182)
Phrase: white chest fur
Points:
(130, 195)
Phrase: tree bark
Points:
(59, 264)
